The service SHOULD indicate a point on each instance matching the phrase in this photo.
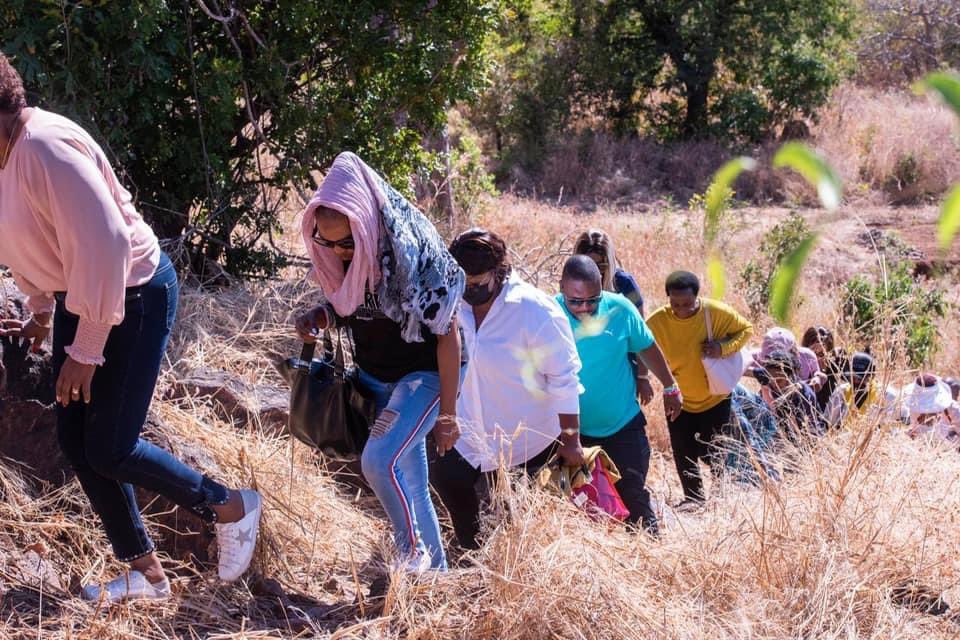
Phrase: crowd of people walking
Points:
(471, 368)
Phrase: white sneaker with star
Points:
(133, 585)
(238, 540)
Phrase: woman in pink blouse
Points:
(93, 272)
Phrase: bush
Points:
(757, 275)
(898, 307)
(473, 184)
(211, 118)
(900, 146)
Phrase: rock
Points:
(28, 433)
(919, 597)
(28, 437)
(237, 401)
(182, 535)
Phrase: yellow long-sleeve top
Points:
(681, 341)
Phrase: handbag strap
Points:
(309, 349)
(327, 343)
(339, 359)
(306, 353)
(707, 320)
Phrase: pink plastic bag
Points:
(599, 497)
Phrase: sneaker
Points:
(236, 541)
(131, 586)
(415, 564)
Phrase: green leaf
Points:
(785, 278)
(949, 222)
(716, 276)
(947, 85)
(814, 169)
(720, 190)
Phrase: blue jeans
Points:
(394, 460)
(101, 440)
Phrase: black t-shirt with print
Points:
(379, 347)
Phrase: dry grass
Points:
(817, 556)
(891, 145)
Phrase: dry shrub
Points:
(821, 555)
(816, 556)
(901, 147)
(889, 146)
(596, 166)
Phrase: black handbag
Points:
(328, 407)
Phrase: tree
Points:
(904, 39)
(532, 80)
(213, 108)
(724, 66)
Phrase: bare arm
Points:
(653, 358)
(446, 431)
(571, 452)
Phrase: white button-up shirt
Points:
(521, 373)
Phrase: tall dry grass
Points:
(826, 553)
(890, 146)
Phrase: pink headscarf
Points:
(352, 188)
(780, 339)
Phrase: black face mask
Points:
(477, 294)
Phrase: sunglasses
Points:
(582, 302)
(346, 244)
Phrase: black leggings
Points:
(692, 438)
(463, 489)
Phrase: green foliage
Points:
(472, 182)
(719, 194)
(210, 120)
(947, 86)
(785, 278)
(906, 173)
(900, 305)
(729, 67)
(532, 80)
(714, 202)
(949, 222)
(815, 170)
(779, 243)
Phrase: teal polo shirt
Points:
(609, 400)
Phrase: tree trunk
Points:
(441, 187)
(695, 122)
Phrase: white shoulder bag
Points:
(723, 374)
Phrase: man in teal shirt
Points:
(608, 328)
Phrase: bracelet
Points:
(672, 390)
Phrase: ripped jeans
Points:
(101, 440)
(394, 460)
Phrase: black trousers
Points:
(629, 449)
(692, 437)
(463, 489)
